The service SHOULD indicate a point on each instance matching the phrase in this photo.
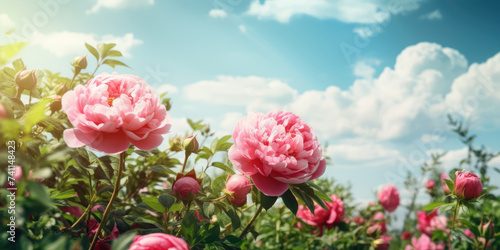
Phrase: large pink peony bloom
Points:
(276, 149)
(158, 241)
(321, 216)
(467, 185)
(389, 197)
(111, 111)
(424, 243)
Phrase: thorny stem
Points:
(113, 197)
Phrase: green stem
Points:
(113, 197)
(72, 80)
(455, 214)
(93, 73)
(247, 228)
(184, 165)
(19, 92)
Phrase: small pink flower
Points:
(439, 223)
(424, 243)
(469, 233)
(185, 186)
(389, 198)
(73, 210)
(378, 224)
(158, 241)
(383, 242)
(276, 149)
(430, 184)
(446, 189)
(112, 111)
(239, 186)
(359, 220)
(321, 216)
(467, 185)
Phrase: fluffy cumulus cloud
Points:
(6, 22)
(119, 4)
(254, 93)
(217, 13)
(434, 15)
(362, 153)
(68, 43)
(348, 11)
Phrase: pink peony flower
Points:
(446, 189)
(378, 224)
(239, 186)
(430, 184)
(389, 197)
(158, 241)
(439, 223)
(321, 216)
(467, 185)
(185, 186)
(111, 111)
(424, 243)
(359, 220)
(276, 149)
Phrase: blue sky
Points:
(411, 64)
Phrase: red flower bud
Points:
(389, 198)
(467, 185)
(430, 184)
(186, 188)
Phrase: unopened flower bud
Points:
(26, 79)
(430, 184)
(467, 185)
(80, 62)
(56, 103)
(488, 230)
(61, 89)
(186, 188)
(175, 144)
(190, 144)
(238, 186)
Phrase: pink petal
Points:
(111, 143)
(76, 138)
(320, 170)
(149, 143)
(268, 185)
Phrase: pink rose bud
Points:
(382, 243)
(488, 229)
(26, 79)
(389, 197)
(467, 185)
(275, 150)
(446, 189)
(80, 62)
(190, 144)
(430, 184)
(4, 114)
(406, 235)
(238, 186)
(186, 188)
(158, 241)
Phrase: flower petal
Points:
(268, 185)
(149, 143)
(76, 138)
(111, 143)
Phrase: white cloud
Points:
(169, 88)
(348, 11)
(254, 93)
(434, 15)
(6, 22)
(363, 69)
(67, 43)
(229, 121)
(218, 13)
(119, 4)
(242, 28)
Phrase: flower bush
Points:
(90, 171)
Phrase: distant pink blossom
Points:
(424, 243)
(112, 111)
(446, 189)
(430, 184)
(323, 218)
(389, 197)
(276, 149)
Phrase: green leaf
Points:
(223, 167)
(290, 201)
(445, 208)
(267, 201)
(153, 203)
(34, 115)
(189, 226)
(166, 200)
(114, 63)
(18, 64)
(176, 207)
(124, 241)
(451, 185)
(303, 197)
(161, 168)
(211, 234)
(113, 53)
(235, 219)
(10, 50)
(92, 50)
(320, 192)
(62, 195)
(433, 205)
(104, 48)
